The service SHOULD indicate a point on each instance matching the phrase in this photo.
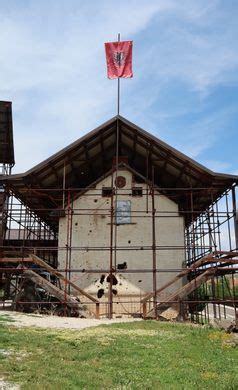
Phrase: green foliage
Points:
(200, 294)
(138, 355)
(221, 289)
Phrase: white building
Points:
(118, 211)
(133, 227)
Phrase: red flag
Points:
(119, 59)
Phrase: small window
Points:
(123, 212)
(137, 191)
(107, 191)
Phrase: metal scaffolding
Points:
(33, 205)
(211, 232)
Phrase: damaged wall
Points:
(93, 230)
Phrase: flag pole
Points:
(117, 154)
(118, 84)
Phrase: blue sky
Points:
(185, 62)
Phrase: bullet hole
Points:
(129, 241)
(114, 279)
(90, 231)
(122, 265)
(95, 200)
(139, 281)
(76, 223)
(141, 248)
(83, 270)
(114, 291)
(102, 279)
(100, 293)
(120, 284)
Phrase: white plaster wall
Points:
(93, 230)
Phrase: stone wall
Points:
(93, 230)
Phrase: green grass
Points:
(139, 355)
(5, 318)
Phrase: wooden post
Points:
(144, 308)
(97, 310)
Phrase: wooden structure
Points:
(33, 202)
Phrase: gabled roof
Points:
(6, 134)
(91, 156)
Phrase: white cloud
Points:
(205, 132)
(197, 56)
(58, 81)
(52, 65)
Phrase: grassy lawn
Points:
(139, 355)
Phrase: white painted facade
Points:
(93, 230)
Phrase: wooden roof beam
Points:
(179, 160)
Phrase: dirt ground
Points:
(54, 322)
(8, 386)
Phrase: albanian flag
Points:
(119, 59)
